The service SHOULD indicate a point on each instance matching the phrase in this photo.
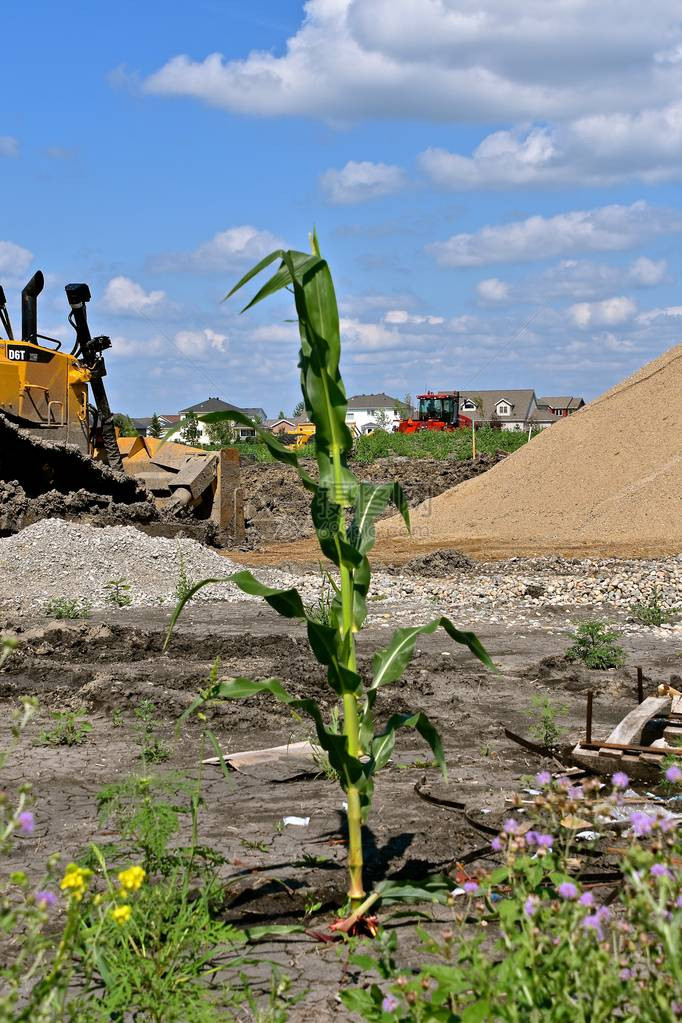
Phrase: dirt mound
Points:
(438, 564)
(278, 507)
(608, 477)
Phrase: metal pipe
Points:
(588, 717)
(29, 307)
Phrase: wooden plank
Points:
(631, 748)
(630, 728)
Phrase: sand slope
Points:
(608, 477)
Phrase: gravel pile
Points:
(53, 558)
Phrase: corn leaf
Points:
(382, 745)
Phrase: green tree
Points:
(299, 409)
(220, 434)
(125, 425)
(155, 426)
(191, 433)
(281, 414)
(406, 406)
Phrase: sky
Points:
(496, 187)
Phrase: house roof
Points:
(367, 401)
(142, 422)
(543, 415)
(218, 405)
(561, 401)
(521, 401)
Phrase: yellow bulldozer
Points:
(51, 435)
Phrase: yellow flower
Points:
(97, 901)
(75, 881)
(132, 878)
(121, 915)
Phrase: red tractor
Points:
(438, 410)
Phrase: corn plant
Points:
(344, 512)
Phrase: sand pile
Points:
(606, 480)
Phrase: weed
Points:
(63, 607)
(153, 750)
(595, 645)
(312, 905)
(544, 727)
(184, 584)
(117, 718)
(320, 610)
(651, 611)
(117, 593)
(69, 728)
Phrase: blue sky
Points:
(496, 186)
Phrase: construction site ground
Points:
(113, 661)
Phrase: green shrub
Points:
(62, 607)
(651, 611)
(544, 727)
(69, 728)
(595, 645)
(117, 593)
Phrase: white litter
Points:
(298, 822)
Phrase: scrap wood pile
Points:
(605, 479)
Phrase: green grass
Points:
(426, 444)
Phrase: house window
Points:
(503, 409)
(350, 415)
(469, 406)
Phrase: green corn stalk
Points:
(344, 512)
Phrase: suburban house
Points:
(515, 409)
(280, 426)
(218, 405)
(367, 411)
(561, 405)
(143, 425)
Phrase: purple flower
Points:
(390, 1003)
(543, 778)
(674, 774)
(567, 890)
(26, 822)
(530, 905)
(545, 841)
(46, 899)
(660, 870)
(593, 922)
(678, 901)
(642, 823)
(576, 792)
(620, 780)
(470, 887)
(496, 843)
(625, 974)
(531, 838)
(510, 827)
(586, 899)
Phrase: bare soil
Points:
(115, 660)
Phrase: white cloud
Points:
(602, 149)
(123, 296)
(671, 312)
(607, 228)
(14, 259)
(450, 60)
(577, 279)
(8, 146)
(199, 343)
(227, 250)
(399, 316)
(360, 181)
(609, 312)
(493, 290)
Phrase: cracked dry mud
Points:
(115, 660)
